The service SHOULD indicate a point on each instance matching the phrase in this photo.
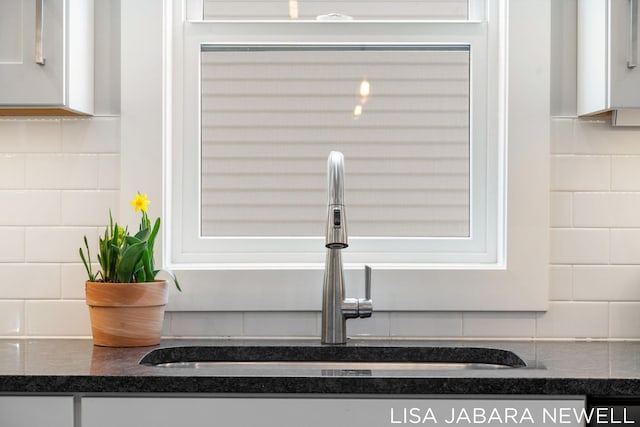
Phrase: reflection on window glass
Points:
(357, 9)
(271, 116)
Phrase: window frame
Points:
(517, 281)
(482, 245)
(479, 247)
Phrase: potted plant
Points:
(126, 301)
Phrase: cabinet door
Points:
(23, 81)
(325, 411)
(36, 411)
(624, 79)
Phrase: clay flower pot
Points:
(127, 314)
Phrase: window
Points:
(500, 265)
(261, 117)
(272, 113)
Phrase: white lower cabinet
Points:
(327, 411)
(36, 411)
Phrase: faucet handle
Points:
(365, 305)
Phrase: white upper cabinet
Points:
(46, 57)
(608, 59)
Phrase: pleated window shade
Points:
(270, 118)
(357, 9)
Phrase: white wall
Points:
(59, 177)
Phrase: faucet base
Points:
(334, 325)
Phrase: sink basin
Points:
(393, 366)
(332, 358)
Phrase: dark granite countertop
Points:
(553, 368)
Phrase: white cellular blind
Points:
(270, 117)
(357, 9)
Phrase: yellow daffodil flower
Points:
(140, 202)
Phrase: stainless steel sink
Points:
(394, 366)
(331, 358)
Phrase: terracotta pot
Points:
(127, 314)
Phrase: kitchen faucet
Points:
(336, 309)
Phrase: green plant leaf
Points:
(143, 234)
(173, 278)
(147, 266)
(152, 242)
(154, 232)
(87, 261)
(128, 261)
(133, 240)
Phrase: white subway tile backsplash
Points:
(57, 318)
(89, 207)
(205, 324)
(109, 172)
(25, 208)
(281, 324)
(12, 171)
(425, 324)
(574, 320)
(580, 173)
(625, 210)
(57, 244)
(625, 246)
(597, 136)
(12, 248)
(560, 282)
(499, 325)
(62, 171)
(30, 135)
(579, 246)
(625, 173)
(561, 209)
(606, 282)
(625, 320)
(73, 277)
(91, 135)
(592, 210)
(607, 210)
(11, 318)
(562, 136)
(29, 281)
(595, 278)
(40, 159)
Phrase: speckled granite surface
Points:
(553, 368)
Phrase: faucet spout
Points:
(336, 309)
(335, 175)
(336, 233)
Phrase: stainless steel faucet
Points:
(336, 309)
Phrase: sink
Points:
(393, 366)
(337, 358)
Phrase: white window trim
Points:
(520, 283)
(486, 225)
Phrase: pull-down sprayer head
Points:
(336, 233)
